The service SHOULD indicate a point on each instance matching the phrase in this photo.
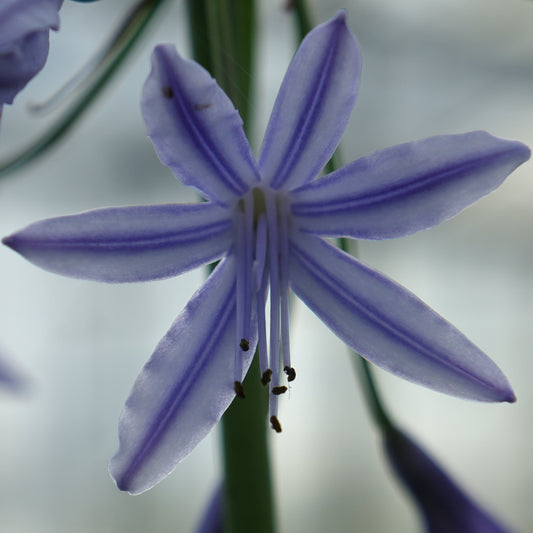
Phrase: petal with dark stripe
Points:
(184, 388)
(195, 129)
(390, 326)
(312, 106)
(125, 244)
(406, 188)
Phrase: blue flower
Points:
(444, 506)
(24, 30)
(265, 221)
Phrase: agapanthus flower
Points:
(445, 508)
(24, 40)
(265, 221)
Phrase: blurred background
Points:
(429, 67)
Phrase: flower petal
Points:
(444, 505)
(195, 129)
(24, 29)
(406, 188)
(19, 18)
(312, 107)
(184, 388)
(19, 67)
(390, 326)
(125, 244)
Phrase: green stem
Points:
(302, 17)
(222, 34)
(121, 45)
(248, 502)
(372, 396)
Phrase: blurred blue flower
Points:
(213, 518)
(444, 506)
(11, 379)
(24, 38)
(265, 220)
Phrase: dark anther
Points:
(265, 378)
(275, 424)
(279, 390)
(291, 373)
(239, 391)
(245, 345)
(168, 92)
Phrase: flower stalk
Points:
(222, 34)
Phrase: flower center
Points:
(261, 224)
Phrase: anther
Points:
(167, 92)
(245, 345)
(239, 391)
(265, 378)
(291, 373)
(276, 426)
(279, 390)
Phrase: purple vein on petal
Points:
(313, 107)
(181, 390)
(323, 276)
(200, 132)
(385, 193)
(154, 241)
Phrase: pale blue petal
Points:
(195, 129)
(184, 388)
(126, 244)
(406, 188)
(312, 107)
(390, 326)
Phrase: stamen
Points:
(273, 266)
(260, 248)
(244, 254)
(249, 260)
(273, 263)
(279, 390)
(291, 373)
(276, 426)
(284, 281)
(240, 282)
(261, 281)
(266, 376)
(239, 390)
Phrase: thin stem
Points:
(372, 396)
